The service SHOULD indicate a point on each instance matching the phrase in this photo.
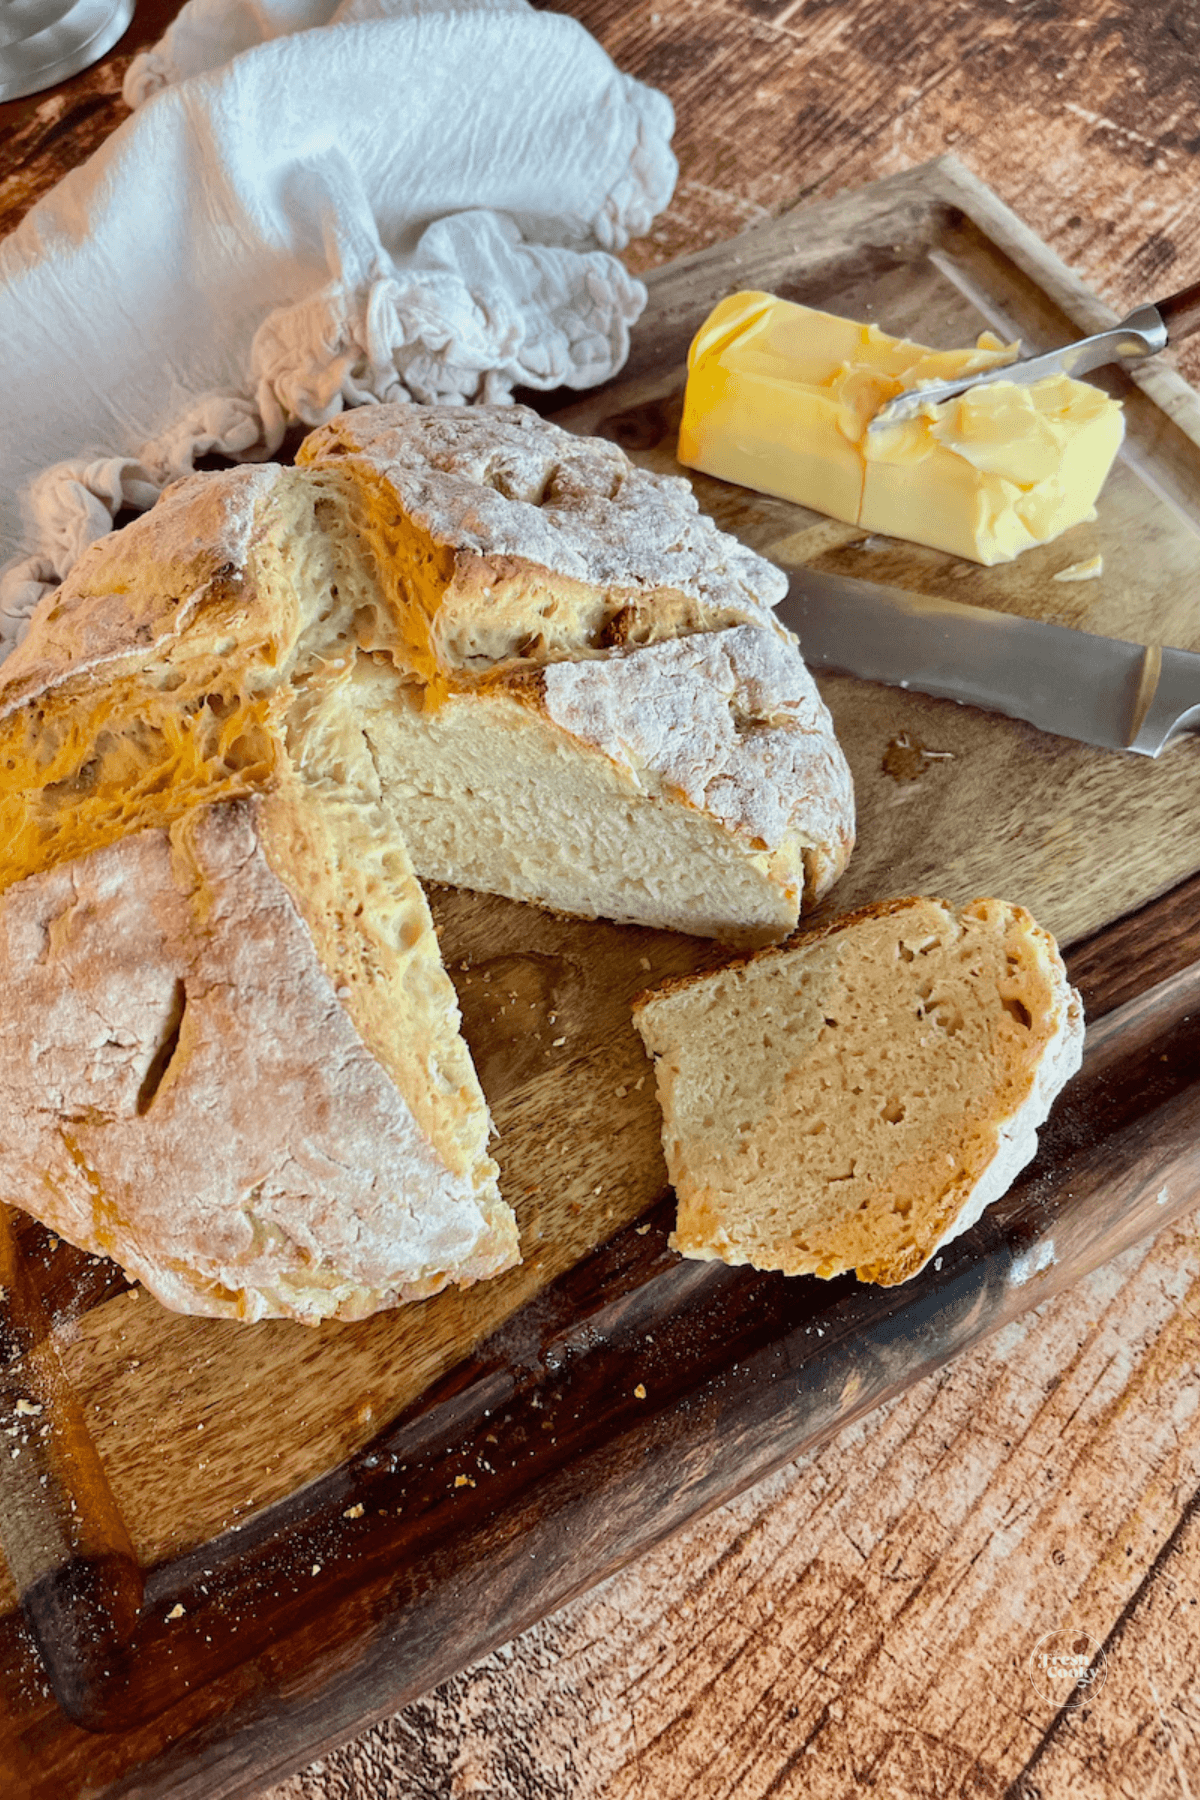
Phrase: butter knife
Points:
(1105, 691)
(1143, 332)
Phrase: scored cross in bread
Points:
(316, 616)
(571, 742)
(855, 1100)
(455, 643)
(499, 540)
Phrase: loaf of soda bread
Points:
(857, 1098)
(451, 643)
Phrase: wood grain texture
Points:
(704, 1670)
(862, 1620)
(544, 1459)
(1081, 119)
(978, 804)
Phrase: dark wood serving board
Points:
(345, 1516)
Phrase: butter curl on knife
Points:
(1143, 332)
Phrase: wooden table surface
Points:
(864, 1618)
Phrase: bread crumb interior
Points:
(831, 1107)
(492, 795)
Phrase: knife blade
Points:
(1140, 335)
(1145, 331)
(1105, 691)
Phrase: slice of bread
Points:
(359, 672)
(857, 1098)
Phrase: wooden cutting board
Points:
(237, 1456)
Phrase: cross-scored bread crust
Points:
(240, 647)
(856, 1098)
(537, 544)
(238, 587)
(146, 585)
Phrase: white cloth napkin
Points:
(313, 208)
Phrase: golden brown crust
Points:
(144, 585)
(238, 645)
(290, 1177)
(552, 537)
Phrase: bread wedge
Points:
(854, 1100)
(604, 715)
(232, 1062)
(364, 615)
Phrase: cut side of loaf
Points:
(690, 785)
(504, 548)
(855, 1100)
(238, 625)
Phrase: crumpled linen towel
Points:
(313, 208)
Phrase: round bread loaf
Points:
(451, 643)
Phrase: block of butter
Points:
(779, 397)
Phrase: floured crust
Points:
(543, 544)
(731, 722)
(154, 994)
(861, 1106)
(244, 645)
(1016, 1140)
(146, 584)
(238, 589)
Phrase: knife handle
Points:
(1180, 313)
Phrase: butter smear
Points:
(1091, 570)
(779, 397)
